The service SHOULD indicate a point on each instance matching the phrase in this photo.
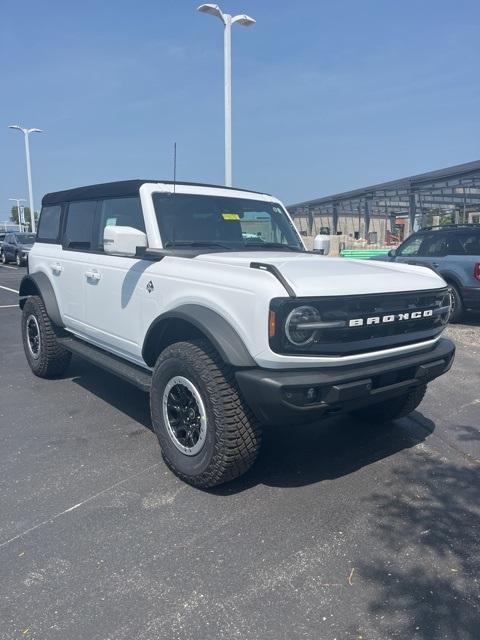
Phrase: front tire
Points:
(394, 408)
(18, 260)
(46, 357)
(206, 433)
(4, 258)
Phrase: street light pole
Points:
(227, 64)
(18, 200)
(228, 20)
(26, 133)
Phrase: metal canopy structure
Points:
(453, 190)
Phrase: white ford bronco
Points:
(206, 297)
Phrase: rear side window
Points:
(79, 226)
(464, 244)
(49, 224)
(119, 212)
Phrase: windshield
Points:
(25, 238)
(228, 223)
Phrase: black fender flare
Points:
(38, 284)
(212, 325)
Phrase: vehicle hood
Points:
(25, 247)
(310, 274)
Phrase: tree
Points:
(15, 218)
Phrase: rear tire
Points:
(457, 304)
(394, 408)
(18, 260)
(4, 258)
(206, 433)
(46, 357)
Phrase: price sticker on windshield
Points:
(230, 216)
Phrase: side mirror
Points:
(392, 253)
(123, 241)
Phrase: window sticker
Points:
(230, 216)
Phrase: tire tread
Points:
(54, 358)
(237, 448)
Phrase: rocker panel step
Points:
(121, 368)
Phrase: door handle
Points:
(435, 264)
(57, 268)
(93, 275)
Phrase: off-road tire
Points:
(393, 408)
(4, 258)
(18, 260)
(53, 359)
(457, 304)
(233, 437)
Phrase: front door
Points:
(409, 251)
(116, 285)
(425, 249)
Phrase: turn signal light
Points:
(476, 271)
(272, 324)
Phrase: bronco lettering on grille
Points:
(394, 317)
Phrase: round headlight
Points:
(294, 331)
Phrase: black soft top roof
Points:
(116, 190)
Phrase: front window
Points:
(411, 246)
(227, 223)
(25, 238)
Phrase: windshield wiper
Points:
(194, 243)
(273, 245)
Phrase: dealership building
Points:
(384, 214)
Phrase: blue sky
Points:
(327, 96)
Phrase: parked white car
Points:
(206, 297)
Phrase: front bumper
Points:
(471, 298)
(298, 396)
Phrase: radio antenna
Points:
(174, 185)
(174, 165)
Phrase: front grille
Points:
(361, 321)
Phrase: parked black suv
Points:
(454, 252)
(15, 247)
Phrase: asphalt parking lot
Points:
(342, 530)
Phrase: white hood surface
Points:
(315, 275)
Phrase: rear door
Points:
(5, 246)
(462, 255)
(9, 247)
(74, 262)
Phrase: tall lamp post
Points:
(18, 200)
(26, 133)
(228, 20)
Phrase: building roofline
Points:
(409, 182)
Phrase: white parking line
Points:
(8, 289)
(8, 306)
(5, 266)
